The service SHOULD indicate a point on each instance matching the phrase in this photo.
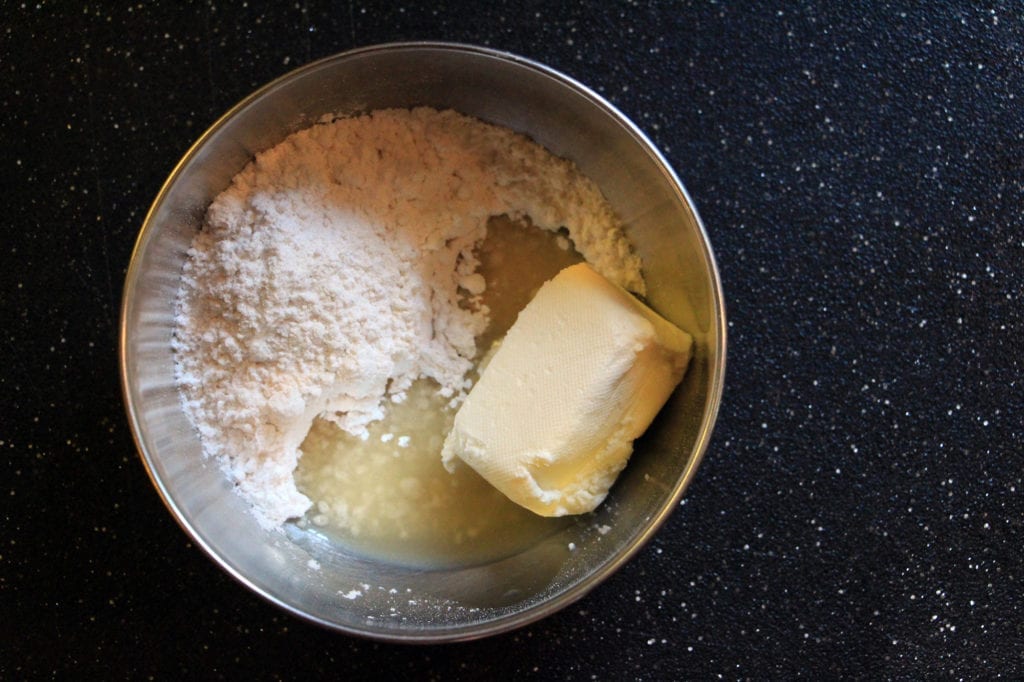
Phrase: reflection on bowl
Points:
(319, 580)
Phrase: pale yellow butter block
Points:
(582, 373)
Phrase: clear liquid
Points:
(388, 496)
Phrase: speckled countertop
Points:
(861, 175)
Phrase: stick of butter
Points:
(581, 373)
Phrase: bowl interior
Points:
(313, 578)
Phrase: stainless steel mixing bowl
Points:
(316, 579)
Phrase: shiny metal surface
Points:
(368, 598)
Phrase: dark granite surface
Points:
(861, 175)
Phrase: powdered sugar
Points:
(339, 267)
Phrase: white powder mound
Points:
(329, 276)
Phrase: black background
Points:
(859, 169)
